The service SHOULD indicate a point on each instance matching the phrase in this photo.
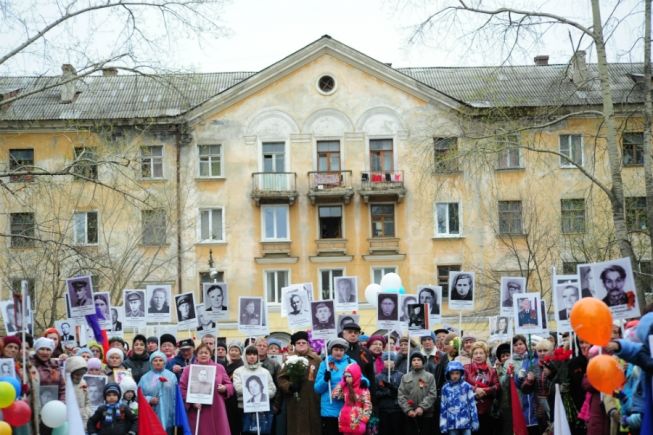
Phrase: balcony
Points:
(382, 185)
(274, 187)
(384, 248)
(330, 186)
(275, 252)
(331, 250)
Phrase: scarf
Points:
(113, 410)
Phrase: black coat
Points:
(124, 423)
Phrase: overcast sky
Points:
(259, 33)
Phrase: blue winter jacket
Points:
(526, 391)
(458, 407)
(330, 407)
(639, 353)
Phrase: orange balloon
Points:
(5, 429)
(592, 321)
(605, 374)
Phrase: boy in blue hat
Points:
(113, 417)
(458, 415)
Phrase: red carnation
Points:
(162, 379)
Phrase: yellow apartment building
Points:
(327, 163)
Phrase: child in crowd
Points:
(113, 417)
(458, 414)
(391, 418)
(357, 409)
(94, 367)
(128, 388)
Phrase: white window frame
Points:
(384, 270)
(460, 220)
(151, 163)
(85, 242)
(276, 282)
(567, 163)
(199, 224)
(210, 158)
(321, 282)
(275, 239)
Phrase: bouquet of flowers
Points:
(296, 368)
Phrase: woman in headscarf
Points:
(45, 375)
(213, 418)
(53, 335)
(159, 388)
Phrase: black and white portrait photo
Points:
(566, 295)
(387, 307)
(185, 304)
(256, 395)
(7, 367)
(215, 299)
(586, 280)
(500, 327)
(134, 307)
(103, 309)
(614, 284)
(430, 294)
(296, 306)
(344, 319)
(158, 303)
(346, 293)
(48, 393)
(205, 325)
(94, 389)
(461, 290)
(251, 318)
(405, 301)
(117, 318)
(80, 296)
(323, 319)
(527, 314)
(201, 384)
(66, 329)
(510, 285)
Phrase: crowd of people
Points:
(353, 384)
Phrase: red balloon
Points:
(18, 413)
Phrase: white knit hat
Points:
(117, 352)
(42, 342)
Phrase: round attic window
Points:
(326, 84)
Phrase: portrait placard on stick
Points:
(613, 283)
(103, 308)
(432, 295)
(216, 300)
(346, 293)
(80, 296)
(323, 319)
(186, 316)
(461, 291)
(256, 395)
(251, 317)
(527, 313)
(94, 389)
(500, 327)
(295, 301)
(134, 307)
(158, 303)
(344, 319)
(418, 320)
(204, 324)
(201, 384)
(66, 330)
(564, 298)
(7, 367)
(387, 311)
(510, 285)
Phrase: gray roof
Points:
(169, 95)
(115, 97)
(528, 86)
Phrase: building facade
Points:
(327, 163)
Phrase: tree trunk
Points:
(648, 115)
(617, 191)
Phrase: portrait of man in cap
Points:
(80, 292)
(134, 303)
(185, 307)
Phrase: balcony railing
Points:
(330, 185)
(382, 183)
(274, 187)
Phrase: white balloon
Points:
(53, 413)
(371, 293)
(391, 281)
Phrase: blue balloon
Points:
(402, 290)
(14, 383)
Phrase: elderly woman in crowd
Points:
(485, 383)
(213, 418)
(159, 386)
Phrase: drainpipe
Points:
(179, 138)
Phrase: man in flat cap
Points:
(82, 297)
